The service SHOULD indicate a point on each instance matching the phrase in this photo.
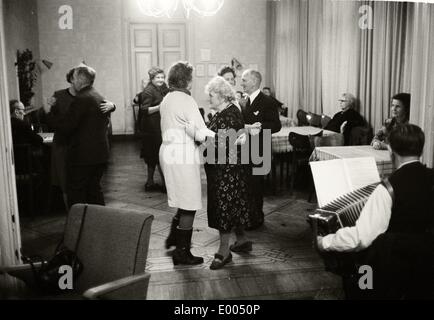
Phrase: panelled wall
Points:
(102, 37)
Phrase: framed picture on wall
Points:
(212, 70)
(200, 70)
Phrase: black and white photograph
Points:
(216, 154)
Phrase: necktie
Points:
(248, 103)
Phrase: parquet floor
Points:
(282, 265)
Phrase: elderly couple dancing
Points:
(231, 204)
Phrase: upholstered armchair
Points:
(113, 249)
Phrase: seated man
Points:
(346, 119)
(22, 133)
(396, 227)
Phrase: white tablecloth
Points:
(382, 157)
(280, 142)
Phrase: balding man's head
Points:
(17, 109)
(251, 81)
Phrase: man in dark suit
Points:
(260, 113)
(22, 133)
(88, 151)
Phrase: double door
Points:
(154, 45)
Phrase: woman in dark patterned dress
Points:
(149, 119)
(228, 195)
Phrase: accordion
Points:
(341, 212)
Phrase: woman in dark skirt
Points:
(227, 183)
(149, 119)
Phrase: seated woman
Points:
(400, 113)
(227, 182)
(346, 119)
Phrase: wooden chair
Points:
(302, 148)
(324, 120)
(113, 249)
(302, 118)
(136, 112)
(314, 120)
(360, 136)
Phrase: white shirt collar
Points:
(253, 96)
(408, 162)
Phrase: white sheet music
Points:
(334, 178)
(361, 172)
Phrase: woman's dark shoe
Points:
(149, 187)
(182, 254)
(245, 247)
(219, 261)
(171, 239)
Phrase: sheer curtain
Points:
(296, 43)
(340, 52)
(321, 52)
(384, 55)
(422, 76)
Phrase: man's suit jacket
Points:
(22, 133)
(264, 110)
(86, 126)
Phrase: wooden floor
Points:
(282, 265)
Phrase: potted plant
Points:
(27, 75)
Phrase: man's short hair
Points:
(255, 74)
(407, 140)
(86, 71)
(180, 74)
(13, 105)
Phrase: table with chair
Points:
(291, 148)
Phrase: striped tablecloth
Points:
(280, 142)
(382, 157)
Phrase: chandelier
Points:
(167, 8)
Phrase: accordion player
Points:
(340, 213)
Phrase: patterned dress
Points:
(382, 135)
(229, 201)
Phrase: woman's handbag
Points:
(46, 277)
